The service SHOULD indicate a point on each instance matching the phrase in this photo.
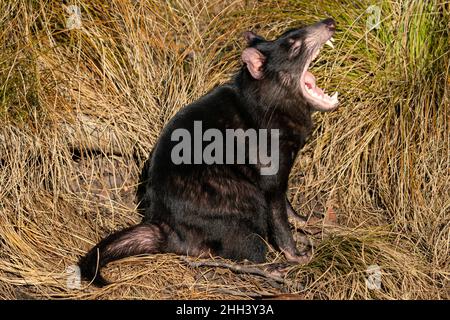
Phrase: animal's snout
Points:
(330, 23)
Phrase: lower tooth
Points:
(334, 96)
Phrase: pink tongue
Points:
(310, 79)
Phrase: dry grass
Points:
(381, 162)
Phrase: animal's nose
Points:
(329, 22)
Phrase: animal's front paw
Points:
(297, 257)
(277, 269)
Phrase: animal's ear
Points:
(251, 38)
(254, 61)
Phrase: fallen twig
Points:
(239, 268)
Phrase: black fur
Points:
(221, 209)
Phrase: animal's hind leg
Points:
(244, 246)
(185, 242)
(227, 238)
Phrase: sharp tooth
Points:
(334, 97)
(330, 44)
(332, 39)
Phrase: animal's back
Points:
(206, 205)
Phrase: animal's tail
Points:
(140, 239)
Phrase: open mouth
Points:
(319, 98)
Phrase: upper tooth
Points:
(329, 43)
(332, 39)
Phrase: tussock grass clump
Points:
(81, 108)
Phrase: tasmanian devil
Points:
(224, 206)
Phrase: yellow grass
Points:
(81, 109)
